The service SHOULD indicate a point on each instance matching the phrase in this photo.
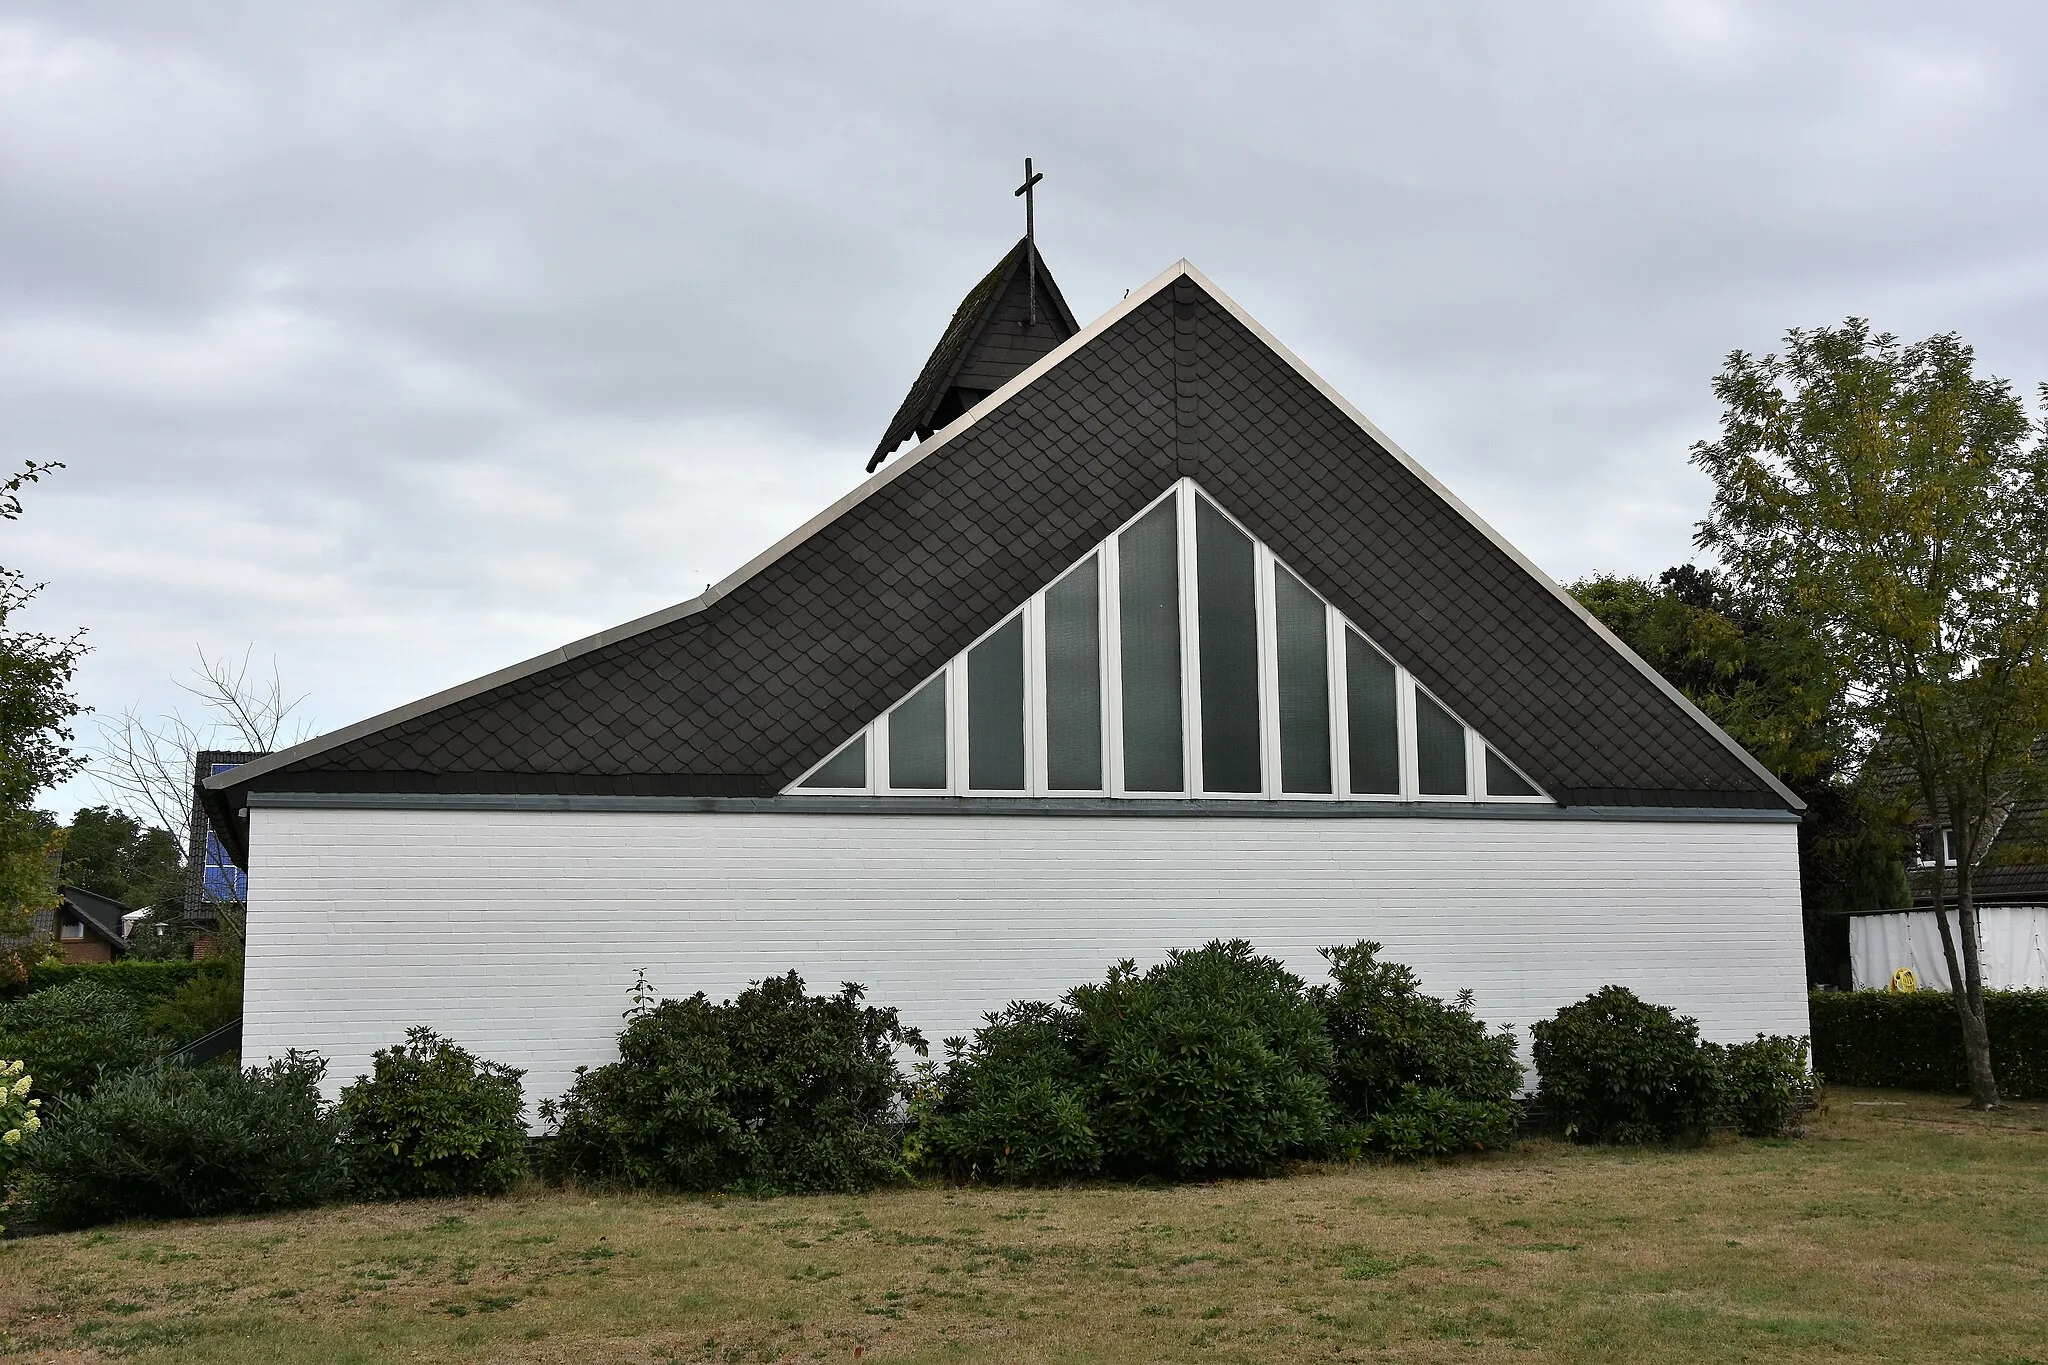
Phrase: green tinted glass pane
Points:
(847, 768)
(1439, 749)
(1073, 681)
(1501, 780)
(1227, 590)
(917, 739)
(1373, 721)
(1148, 610)
(1301, 628)
(995, 710)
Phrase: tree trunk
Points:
(1970, 999)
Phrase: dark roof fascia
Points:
(886, 806)
(937, 442)
(101, 914)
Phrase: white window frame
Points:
(1190, 700)
(1037, 688)
(1411, 778)
(1537, 798)
(1266, 567)
(1033, 713)
(1340, 706)
(866, 788)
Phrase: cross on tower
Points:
(1030, 240)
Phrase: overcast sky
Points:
(401, 342)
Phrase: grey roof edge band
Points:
(1042, 806)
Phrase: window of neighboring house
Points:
(1948, 847)
(1180, 657)
(73, 930)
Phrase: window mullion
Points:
(1335, 643)
(1034, 695)
(956, 726)
(1475, 765)
(1267, 619)
(1404, 700)
(1190, 644)
(1109, 604)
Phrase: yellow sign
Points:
(1904, 982)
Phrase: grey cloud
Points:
(403, 341)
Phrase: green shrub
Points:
(146, 981)
(1433, 1121)
(1013, 1104)
(1614, 1068)
(1915, 1042)
(174, 1141)
(1765, 1082)
(206, 1002)
(1396, 1049)
(772, 1091)
(72, 1035)
(430, 1120)
(1211, 1063)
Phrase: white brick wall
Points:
(517, 932)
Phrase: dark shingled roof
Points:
(2011, 871)
(100, 913)
(739, 692)
(989, 342)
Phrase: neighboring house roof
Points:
(741, 690)
(989, 342)
(2012, 870)
(101, 915)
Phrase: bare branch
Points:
(146, 765)
(256, 711)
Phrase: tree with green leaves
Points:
(1751, 665)
(1898, 504)
(36, 707)
(111, 853)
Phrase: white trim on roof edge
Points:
(931, 446)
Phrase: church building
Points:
(1150, 638)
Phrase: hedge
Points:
(149, 982)
(1915, 1042)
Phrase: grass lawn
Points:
(1902, 1228)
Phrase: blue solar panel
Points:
(223, 880)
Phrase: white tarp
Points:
(2012, 943)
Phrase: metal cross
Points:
(1030, 240)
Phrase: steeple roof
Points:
(989, 342)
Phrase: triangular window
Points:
(1181, 658)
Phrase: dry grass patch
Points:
(1902, 1229)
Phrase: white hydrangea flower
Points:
(12, 1137)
